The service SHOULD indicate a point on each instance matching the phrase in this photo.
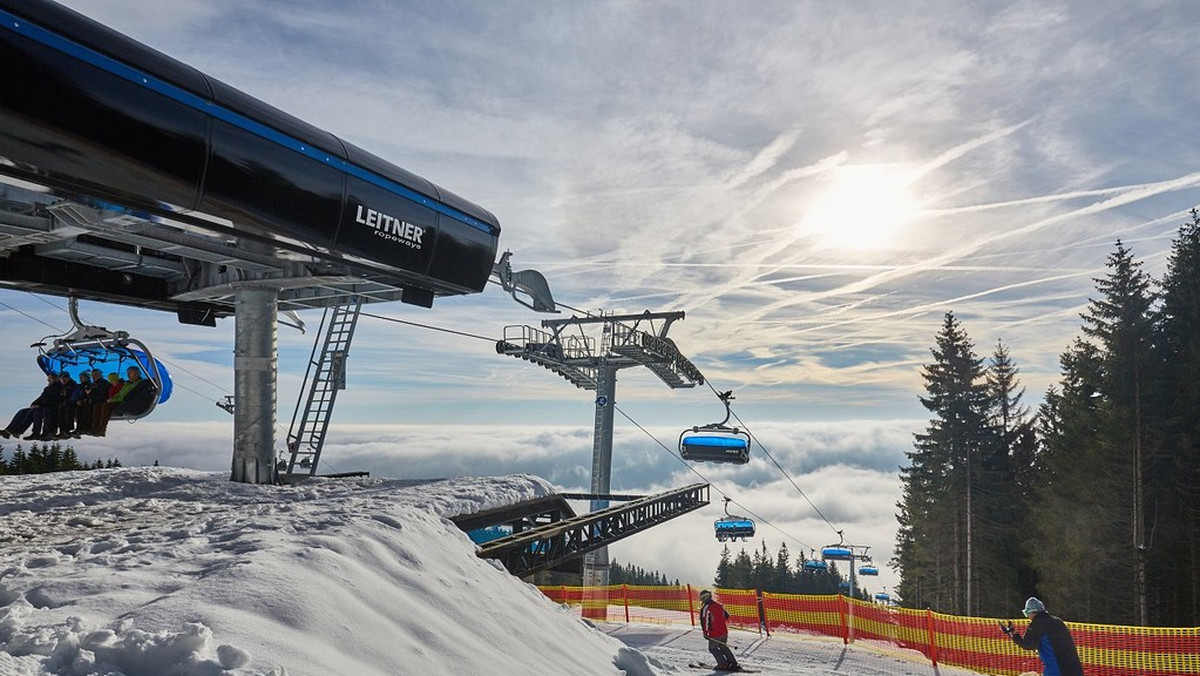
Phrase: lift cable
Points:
(706, 479)
(428, 326)
(649, 434)
(618, 409)
(36, 319)
(777, 465)
(174, 366)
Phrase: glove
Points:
(1006, 628)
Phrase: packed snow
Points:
(170, 572)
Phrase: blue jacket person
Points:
(1050, 637)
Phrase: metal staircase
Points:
(326, 375)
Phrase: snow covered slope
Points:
(159, 572)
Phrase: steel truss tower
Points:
(563, 346)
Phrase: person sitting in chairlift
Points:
(139, 393)
(45, 405)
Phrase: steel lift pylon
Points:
(590, 364)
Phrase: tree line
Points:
(1091, 502)
(43, 458)
(765, 572)
(619, 573)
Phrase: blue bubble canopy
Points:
(109, 360)
(89, 347)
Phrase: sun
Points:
(864, 207)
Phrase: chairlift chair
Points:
(732, 527)
(88, 347)
(868, 570)
(716, 442)
(836, 553)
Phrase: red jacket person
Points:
(713, 624)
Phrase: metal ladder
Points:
(326, 375)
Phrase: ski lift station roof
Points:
(127, 176)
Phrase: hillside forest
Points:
(1091, 501)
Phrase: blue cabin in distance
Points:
(733, 527)
(835, 553)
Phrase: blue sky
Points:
(814, 184)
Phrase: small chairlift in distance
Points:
(716, 442)
(732, 527)
(868, 569)
(88, 347)
(815, 565)
(839, 551)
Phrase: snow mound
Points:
(170, 572)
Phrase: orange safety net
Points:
(742, 606)
(969, 642)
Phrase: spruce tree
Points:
(742, 571)
(724, 576)
(935, 544)
(1002, 573)
(1091, 547)
(1121, 324)
(1177, 470)
(782, 581)
(19, 462)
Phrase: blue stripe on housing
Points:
(715, 442)
(88, 55)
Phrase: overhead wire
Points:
(655, 439)
(782, 471)
(634, 422)
(708, 481)
(428, 326)
(174, 366)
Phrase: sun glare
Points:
(863, 208)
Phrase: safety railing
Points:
(974, 643)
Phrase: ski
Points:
(713, 667)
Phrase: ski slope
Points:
(171, 572)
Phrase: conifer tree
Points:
(1090, 481)
(937, 511)
(782, 581)
(1001, 568)
(70, 460)
(742, 571)
(1177, 470)
(724, 576)
(19, 462)
(1121, 324)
